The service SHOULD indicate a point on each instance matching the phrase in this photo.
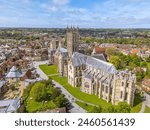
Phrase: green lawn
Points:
(49, 69)
(147, 110)
(84, 106)
(80, 95)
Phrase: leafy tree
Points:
(123, 107)
(143, 64)
(111, 52)
(55, 93)
(111, 109)
(115, 61)
(140, 76)
(148, 59)
(60, 101)
(40, 92)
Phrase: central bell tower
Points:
(72, 40)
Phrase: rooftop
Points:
(2, 83)
(9, 106)
(79, 59)
(14, 73)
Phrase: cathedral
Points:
(92, 75)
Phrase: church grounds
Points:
(52, 69)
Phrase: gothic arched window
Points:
(86, 84)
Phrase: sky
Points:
(82, 13)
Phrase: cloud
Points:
(61, 2)
(59, 13)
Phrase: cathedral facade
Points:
(92, 75)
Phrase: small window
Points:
(127, 85)
(121, 94)
(106, 89)
(126, 96)
(102, 87)
(86, 85)
(122, 83)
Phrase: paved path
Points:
(52, 75)
(143, 107)
(75, 108)
(147, 99)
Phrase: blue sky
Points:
(82, 13)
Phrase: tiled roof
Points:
(146, 82)
(99, 50)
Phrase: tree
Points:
(143, 64)
(148, 59)
(140, 76)
(115, 61)
(123, 107)
(55, 93)
(40, 92)
(111, 109)
(60, 101)
(111, 52)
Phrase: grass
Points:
(84, 106)
(147, 110)
(48, 70)
(137, 104)
(33, 105)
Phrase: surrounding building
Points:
(93, 75)
(9, 106)
(146, 85)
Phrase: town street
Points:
(75, 108)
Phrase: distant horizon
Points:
(64, 28)
(82, 13)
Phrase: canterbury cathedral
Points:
(92, 75)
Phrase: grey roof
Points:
(2, 83)
(14, 73)
(63, 50)
(99, 56)
(79, 59)
(9, 106)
